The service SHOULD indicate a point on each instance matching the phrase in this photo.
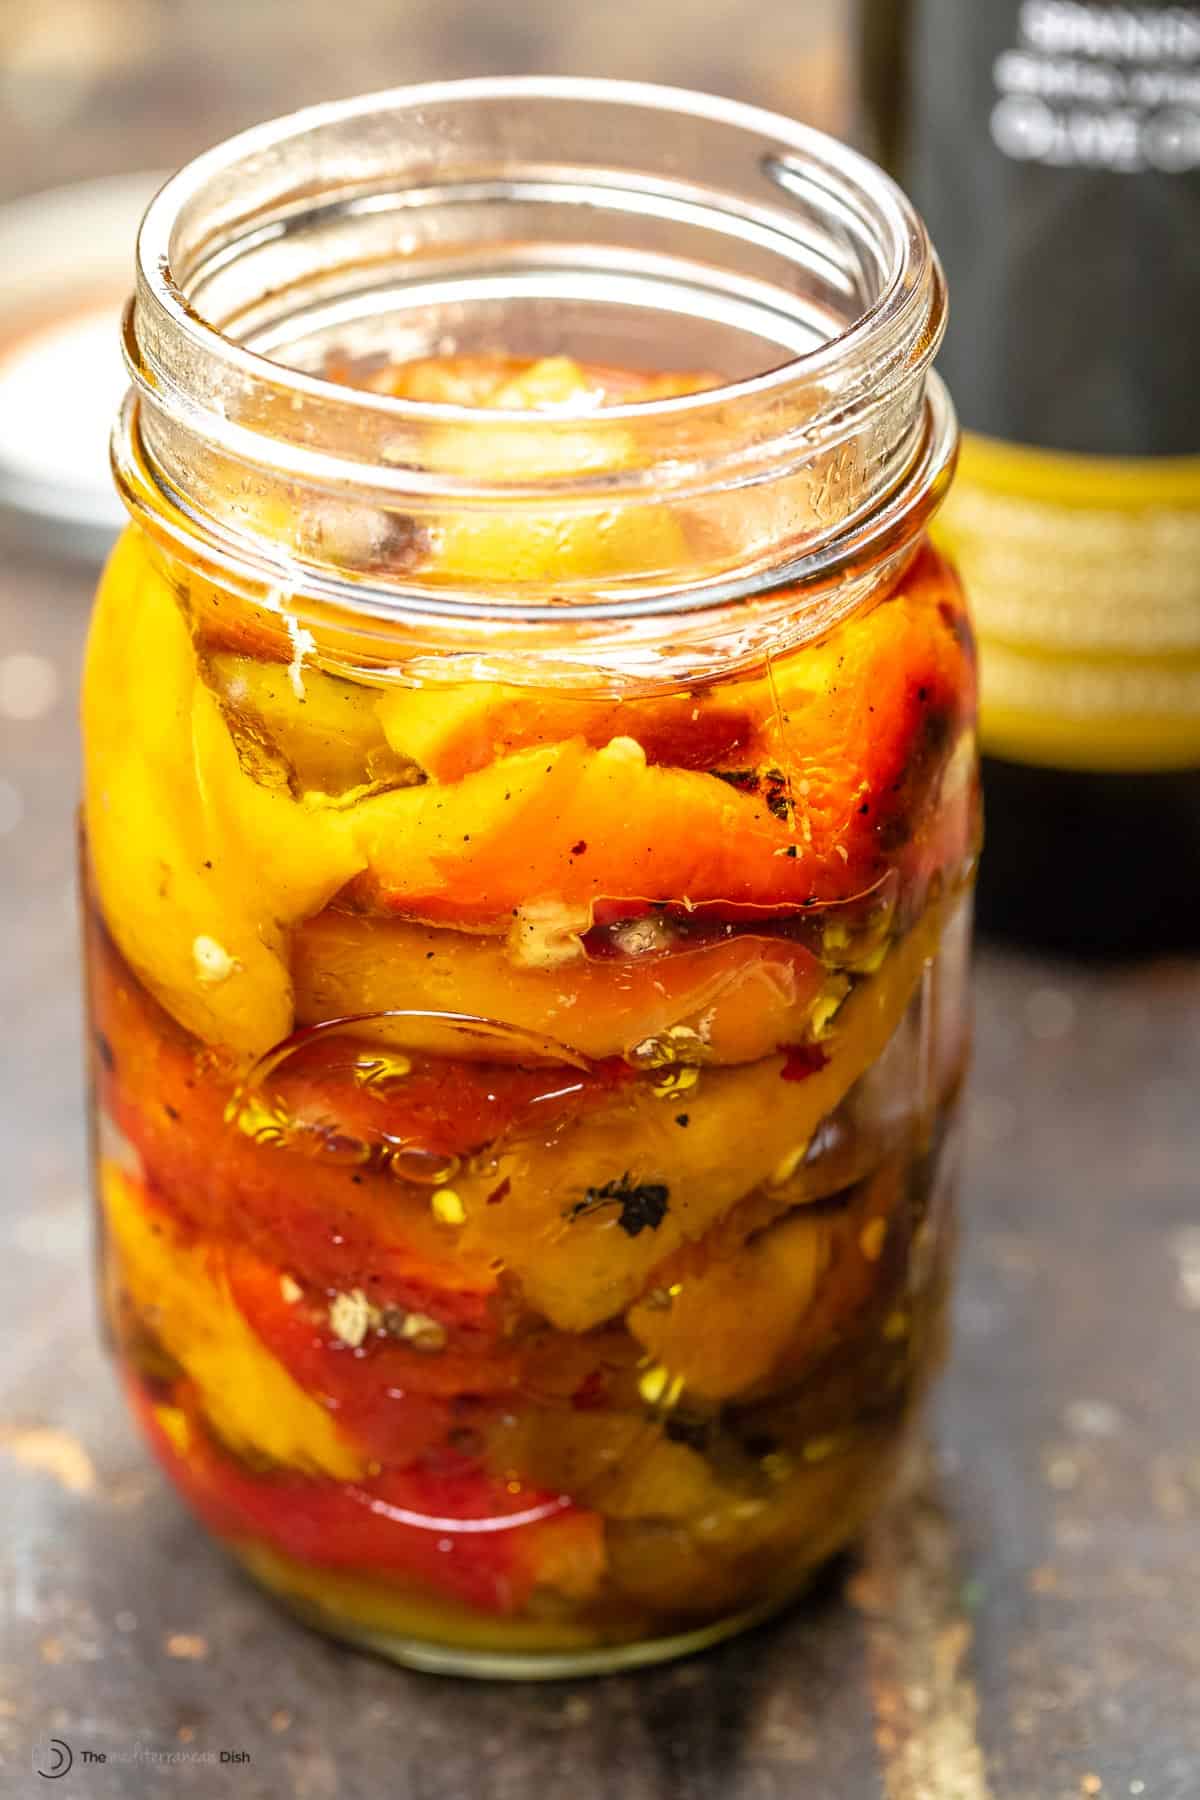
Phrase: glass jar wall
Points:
(530, 813)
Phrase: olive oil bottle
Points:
(1053, 147)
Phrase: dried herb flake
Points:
(643, 1204)
(779, 799)
(746, 781)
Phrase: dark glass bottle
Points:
(1054, 149)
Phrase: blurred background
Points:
(116, 93)
(93, 87)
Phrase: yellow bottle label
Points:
(1084, 577)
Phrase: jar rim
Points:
(303, 227)
(904, 299)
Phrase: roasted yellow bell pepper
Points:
(199, 869)
(177, 1287)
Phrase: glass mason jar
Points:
(530, 813)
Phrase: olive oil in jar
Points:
(1054, 150)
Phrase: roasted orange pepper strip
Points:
(835, 781)
(743, 995)
(334, 1224)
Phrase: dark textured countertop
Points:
(1025, 1626)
